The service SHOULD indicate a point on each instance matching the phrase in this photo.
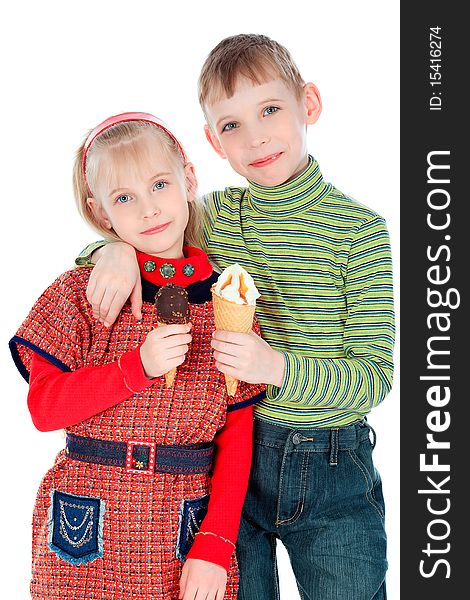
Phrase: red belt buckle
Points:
(142, 464)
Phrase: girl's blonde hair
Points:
(127, 143)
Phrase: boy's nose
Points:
(257, 138)
(256, 142)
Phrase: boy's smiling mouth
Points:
(266, 160)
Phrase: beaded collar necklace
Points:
(195, 266)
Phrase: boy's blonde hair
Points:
(127, 143)
(256, 57)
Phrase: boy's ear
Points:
(98, 212)
(191, 181)
(214, 141)
(312, 102)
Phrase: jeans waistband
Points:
(320, 439)
(142, 457)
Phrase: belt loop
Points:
(334, 438)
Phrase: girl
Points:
(127, 502)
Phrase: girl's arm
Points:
(57, 399)
(233, 448)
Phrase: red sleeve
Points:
(57, 399)
(229, 484)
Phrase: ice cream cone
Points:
(230, 316)
(171, 374)
(170, 377)
(171, 303)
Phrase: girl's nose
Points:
(150, 208)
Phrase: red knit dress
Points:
(137, 520)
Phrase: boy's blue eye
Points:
(123, 198)
(270, 110)
(159, 185)
(229, 126)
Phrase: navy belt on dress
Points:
(141, 457)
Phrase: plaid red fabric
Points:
(140, 524)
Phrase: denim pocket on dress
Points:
(192, 513)
(76, 527)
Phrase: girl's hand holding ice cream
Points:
(239, 353)
(165, 349)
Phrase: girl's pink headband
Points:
(122, 118)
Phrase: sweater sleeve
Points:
(84, 258)
(361, 379)
(57, 399)
(219, 529)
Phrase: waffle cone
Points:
(230, 316)
(170, 377)
(171, 374)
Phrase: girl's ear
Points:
(98, 212)
(191, 181)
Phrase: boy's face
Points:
(262, 129)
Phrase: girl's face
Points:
(145, 201)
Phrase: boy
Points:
(321, 262)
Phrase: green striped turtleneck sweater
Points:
(321, 262)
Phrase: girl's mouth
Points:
(156, 229)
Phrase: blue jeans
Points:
(318, 492)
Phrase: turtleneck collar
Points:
(195, 266)
(295, 195)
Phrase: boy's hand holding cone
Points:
(234, 299)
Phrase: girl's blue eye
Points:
(229, 127)
(123, 198)
(159, 185)
(270, 110)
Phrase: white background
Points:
(69, 65)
